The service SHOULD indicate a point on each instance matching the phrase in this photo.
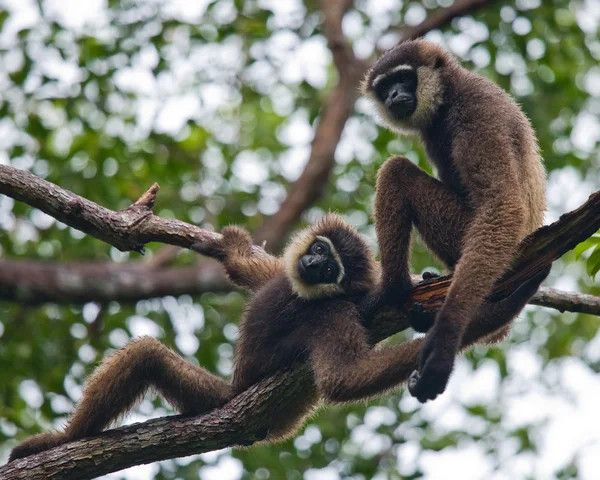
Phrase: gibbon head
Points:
(406, 84)
(329, 258)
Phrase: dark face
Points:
(318, 265)
(398, 92)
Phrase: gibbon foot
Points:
(435, 366)
(233, 239)
(440, 349)
(430, 275)
(420, 320)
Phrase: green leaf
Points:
(593, 263)
(586, 245)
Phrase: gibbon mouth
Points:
(402, 111)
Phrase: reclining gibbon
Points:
(305, 307)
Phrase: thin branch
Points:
(567, 301)
(443, 17)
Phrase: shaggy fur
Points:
(491, 192)
(280, 328)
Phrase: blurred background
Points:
(241, 113)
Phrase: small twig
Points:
(443, 17)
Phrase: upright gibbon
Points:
(489, 196)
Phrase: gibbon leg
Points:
(493, 320)
(408, 196)
(120, 382)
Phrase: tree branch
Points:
(243, 419)
(443, 17)
(567, 301)
(36, 283)
(128, 230)
(339, 106)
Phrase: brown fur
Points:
(279, 329)
(491, 192)
(234, 251)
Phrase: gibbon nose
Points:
(396, 96)
(310, 262)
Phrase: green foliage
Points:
(218, 104)
(593, 261)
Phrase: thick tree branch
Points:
(35, 283)
(245, 418)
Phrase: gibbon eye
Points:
(318, 249)
(329, 271)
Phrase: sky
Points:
(561, 400)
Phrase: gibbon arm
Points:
(346, 368)
(234, 252)
(121, 381)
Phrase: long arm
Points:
(347, 369)
(242, 267)
(120, 382)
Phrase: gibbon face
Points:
(320, 264)
(397, 90)
(330, 258)
(406, 85)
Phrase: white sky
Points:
(567, 418)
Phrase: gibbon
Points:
(490, 194)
